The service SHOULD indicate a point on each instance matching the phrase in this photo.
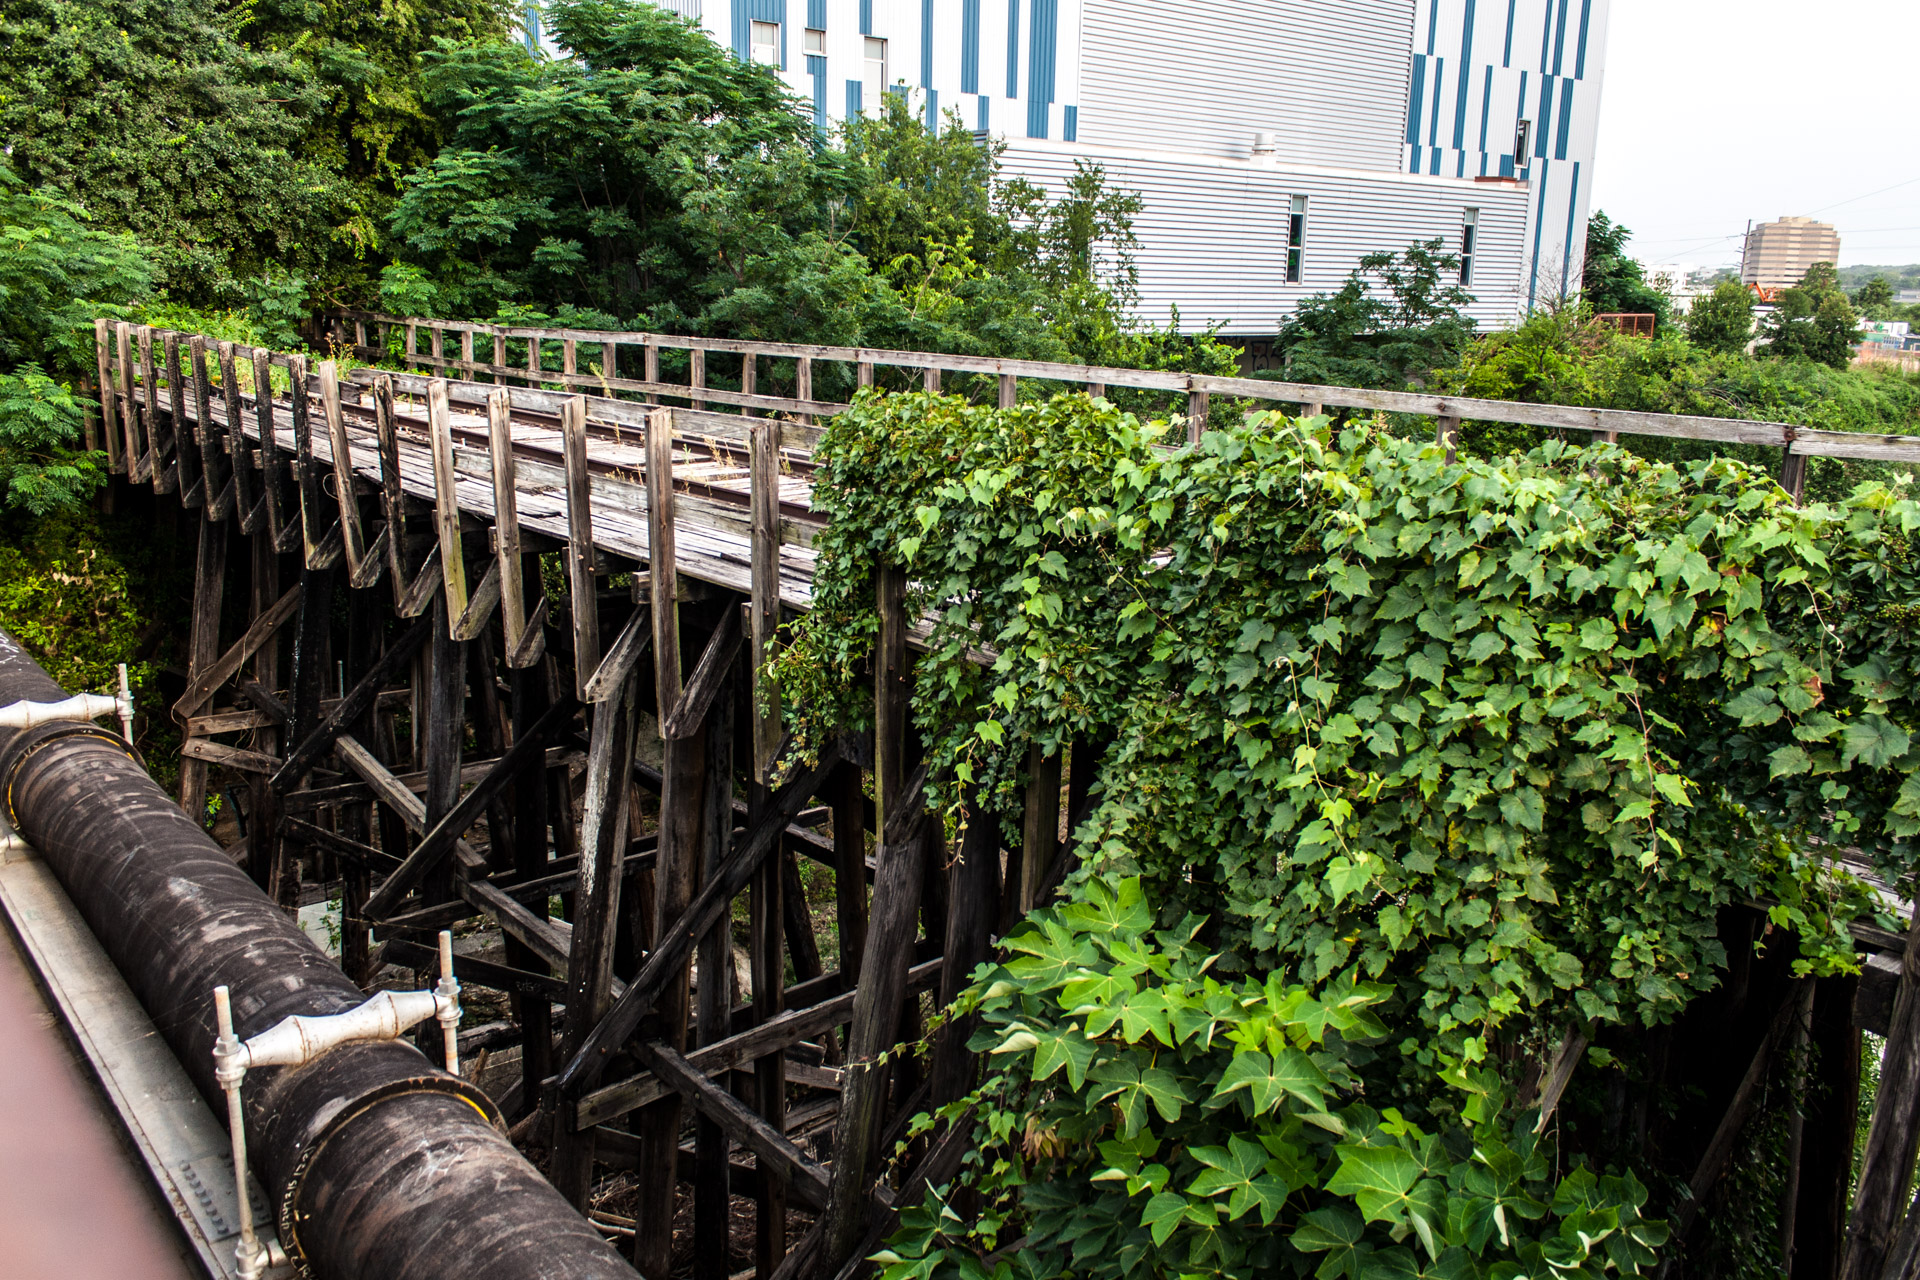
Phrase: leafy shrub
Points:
(1143, 1117)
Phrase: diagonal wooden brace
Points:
(714, 669)
(805, 1176)
(353, 706)
(201, 687)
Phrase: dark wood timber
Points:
(320, 738)
(806, 1178)
(850, 855)
(1886, 1162)
(714, 670)
(222, 669)
(1832, 1107)
(603, 825)
(714, 1131)
(969, 941)
(439, 840)
(209, 575)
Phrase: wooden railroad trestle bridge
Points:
(681, 533)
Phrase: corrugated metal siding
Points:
(969, 46)
(1043, 51)
(1201, 76)
(1213, 233)
(1342, 81)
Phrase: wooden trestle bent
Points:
(581, 591)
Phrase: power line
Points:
(1857, 199)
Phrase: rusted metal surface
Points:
(379, 1166)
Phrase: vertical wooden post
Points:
(768, 902)
(580, 579)
(446, 505)
(1793, 473)
(129, 405)
(603, 833)
(712, 1193)
(749, 379)
(1039, 832)
(531, 698)
(1096, 391)
(364, 618)
(186, 448)
(1886, 1162)
(1446, 431)
(533, 361)
(662, 567)
(306, 688)
(569, 360)
(803, 383)
(974, 900)
(413, 347)
(863, 373)
(764, 466)
(652, 370)
(1009, 390)
(881, 994)
(159, 469)
(215, 475)
(270, 457)
(203, 647)
(1196, 416)
(697, 374)
(241, 457)
(109, 410)
(466, 353)
(850, 865)
(930, 380)
(445, 729)
(499, 359)
(314, 524)
(263, 832)
(1832, 1111)
(609, 366)
(524, 641)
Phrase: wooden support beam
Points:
(804, 1175)
(139, 461)
(1446, 433)
(763, 462)
(697, 375)
(264, 812)
(930, 380)
(712, 1192)
(202, 684)
(663, 573)
(396, 795)
(215, 471)
(532, 695)
(356, 850)
(272, 501)
(1009, 390)
(446, 503)
(203, 647)
(774, 1036)
(623, 656)
(1886, 1161)
(551, 940)
(1832, 1108)
(674, 941)
(1196, 416)
(439, 840)
(186, 446)
(412, 592)
(240, 459)
(710, 675)
(850, 856)
(603, 826)
(525, 638)
(109, 407)
(235, 758)
(482, 973)
(317, 521)
(165, 474)
(1040, 826)
(306, 689)
(974, 900)
(880, 998)
(311, 747)
(1793, 473)
(583, 598)
(364, 563)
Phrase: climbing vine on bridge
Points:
(1498, 737)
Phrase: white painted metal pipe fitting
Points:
(229, 1069)
(298, 1040)
(448, 994)
(80, 707)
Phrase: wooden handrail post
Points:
(581, 589)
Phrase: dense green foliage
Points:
(1502, 737)
(1613, 281)
(1723, 319)
(1144, 1117)
(1398, 317)
(1814, 321)
(56, 275)
(164, 124)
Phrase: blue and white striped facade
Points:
(1395, 119)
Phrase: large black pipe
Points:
(379, 1166)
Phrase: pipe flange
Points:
(29, 742)
(287, 1217)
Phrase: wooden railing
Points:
(369, 334)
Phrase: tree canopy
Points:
(1813, 320)
(1610, 279)
(1398, 317)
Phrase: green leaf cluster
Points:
(1142, 1116)
(1505, 736)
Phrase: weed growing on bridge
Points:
(1495, 739)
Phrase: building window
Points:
(816, 42)
(1522, 143)
(1469, 236)
(875, 78)
(1296, 238)
(766, 43)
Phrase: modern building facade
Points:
(1274, 142)
(1778, 253)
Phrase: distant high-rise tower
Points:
(1779, 253)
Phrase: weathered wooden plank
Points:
(203, 646)
(201, 686)
(446, 506)
(350, 708)
(364, 563)
(662, 560)
(109, 407)
(228, 757)
(582, 593)
(1893, 1135)
(186, 446)
(622, 656)
(713, 670)
(804, 1175)
(765, 497)
(525, 638)
(240, 458)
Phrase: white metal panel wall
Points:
(1201, 76)
(1343, 82)
(1213, 232)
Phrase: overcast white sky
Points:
(1717, 111)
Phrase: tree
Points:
(56, 275)
(1392, 323)
(1874, 293)
(1814, 320)
(158, 120)
(1723, 319)
(1612, 281)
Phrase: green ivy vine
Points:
(1496, 737)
